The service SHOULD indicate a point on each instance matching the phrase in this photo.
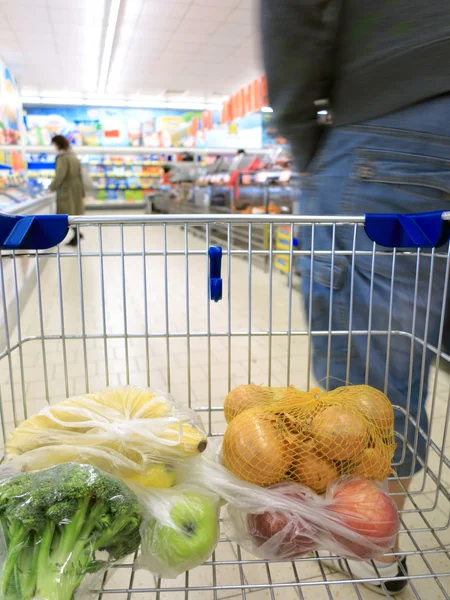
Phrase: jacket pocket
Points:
(397, 182)
(394, 183)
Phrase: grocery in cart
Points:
(179, 419)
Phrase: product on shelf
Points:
(125, 179)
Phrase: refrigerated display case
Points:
(18, 197)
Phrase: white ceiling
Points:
(203, 49)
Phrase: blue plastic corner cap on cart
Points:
(416, 230)
(38, 232)
(215, 273)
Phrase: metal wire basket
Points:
(132, 304)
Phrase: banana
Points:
(155, 476)
(191, 441)
(86, 421)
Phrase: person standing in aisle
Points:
(384, 67)
(68, 183)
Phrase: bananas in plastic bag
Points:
(125, 431)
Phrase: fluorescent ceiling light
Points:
(267, 109)
(140, 102)
(108, 46)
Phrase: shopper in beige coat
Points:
(68, 182)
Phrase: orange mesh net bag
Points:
(313, 438)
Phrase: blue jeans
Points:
(399, 163)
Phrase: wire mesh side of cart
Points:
(132, 305)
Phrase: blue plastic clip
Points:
(38, 232)
(215, 273)
(424, 230)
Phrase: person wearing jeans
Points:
(384, 67)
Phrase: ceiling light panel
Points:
(132, 8)
(158, 8)
(108, 44)
(217, 12)
(201, 46)
(230, 3)
(195, 26)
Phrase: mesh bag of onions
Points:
(313, 438)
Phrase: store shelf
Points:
(114, 205)
(123, 176)
(114, 150)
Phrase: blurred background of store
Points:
(166, 107)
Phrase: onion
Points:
(374, 405)
(374, 463)
(244, 397)
(312, 470)
(253, 449)
(340, 433)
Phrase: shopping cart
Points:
(134, 303)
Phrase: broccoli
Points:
(54, 521)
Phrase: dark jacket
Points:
(68, 184)
(368, 57)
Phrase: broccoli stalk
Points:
(54, 521)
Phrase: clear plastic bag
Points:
(356, 518)
(60, 525)
(123, 431)
(180, 528)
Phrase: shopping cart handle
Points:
(38, 232)
(417, 230)
(215, 273)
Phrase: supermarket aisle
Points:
(105, 316)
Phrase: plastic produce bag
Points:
(60, 525)
(180, 529)
(311, 438)
(356, 518)
(124, 431)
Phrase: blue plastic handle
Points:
(416, 230)
(38, 232)
(215, 273)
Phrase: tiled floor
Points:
(105, 320)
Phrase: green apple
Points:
(193, 537)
